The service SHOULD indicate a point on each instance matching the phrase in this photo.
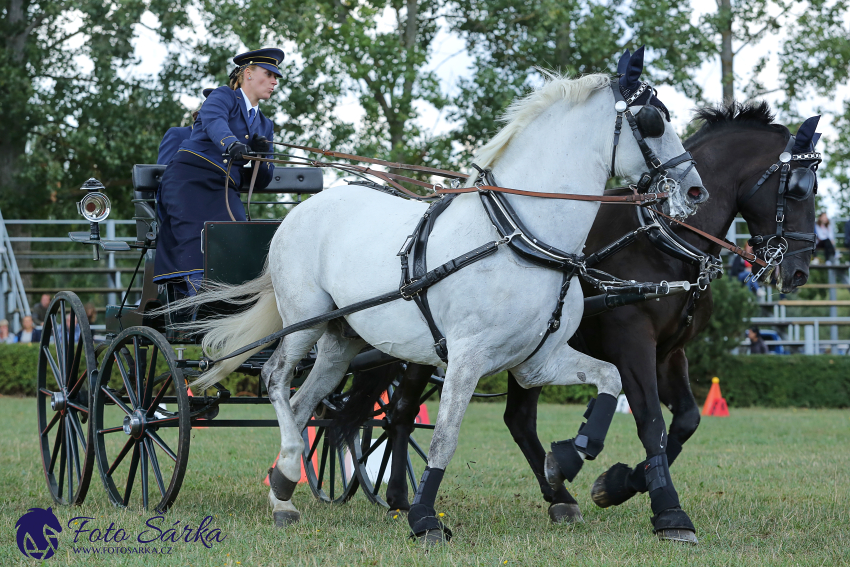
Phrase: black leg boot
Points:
(422, 517)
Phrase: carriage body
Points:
(137, 381)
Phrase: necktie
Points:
(251, 114)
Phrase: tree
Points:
(374, 50)
(70, 112)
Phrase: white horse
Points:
(340, 247)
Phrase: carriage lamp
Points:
(95, 208)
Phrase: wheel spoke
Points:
(384, 460)
(131, 477)
(137, 368)
(70, 351)
(156, 400)
(50, 425)
(57, 444)
(80, 381)
(78, 429)
(120, 456)
(155, 466)
(342, 473)
(114, 397)
(427, 395)
(73, 457)
(126, 379)
(322, 462)
(110, 430)
(59, 342)
(374, 446)
(63, 457)
(78, 407)
(418, 449)
(333, 468)
(156, 439)
(411, 474)
(144, 479)
(149, 385)
(316, 443)
(53, 367)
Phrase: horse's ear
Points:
(635, 67)
(623, 64)
(806, 135)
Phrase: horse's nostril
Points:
(698, 194)
(800, 278)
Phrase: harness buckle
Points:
(403, 290)
(780, 218)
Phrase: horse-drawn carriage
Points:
(125, 402)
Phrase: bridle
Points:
(797, 184)
(657, 177)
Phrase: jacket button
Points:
(246, 136)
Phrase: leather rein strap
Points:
(752, 258)
(633, 198)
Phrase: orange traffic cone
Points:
(191, 395)
(312, 436)
(715, 404)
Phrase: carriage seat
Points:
(146, 178)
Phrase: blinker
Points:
(801, 184)
(650, 121)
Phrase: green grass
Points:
(763, 487)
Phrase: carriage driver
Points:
(192, 188)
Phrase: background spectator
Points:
(743, 269)
(76, 327)
(28, 333)
(5, 337)
(39, 310)
(91, 313)
(757, 345)
(825, 236)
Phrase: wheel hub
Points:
(58, 401)
(134, 424)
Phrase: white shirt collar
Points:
(248, 106)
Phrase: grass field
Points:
(763, 487)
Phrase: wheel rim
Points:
(65, 365)
(328, 466)
(141, 421)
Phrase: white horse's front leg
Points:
(461, 379)
(567, 367)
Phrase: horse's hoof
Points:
(284, 518)
(432, 538)
(553, 473)
(397, 514)
(565, 513)
(610, 488)
(680, 535)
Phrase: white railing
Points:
(13, 297)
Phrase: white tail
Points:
(223, 335)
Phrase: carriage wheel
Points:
(65, 364)
(141, 422)
(374, 455)
(329, 466)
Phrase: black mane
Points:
(752, 115)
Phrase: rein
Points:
(752, 258)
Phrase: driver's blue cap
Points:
(268, 58)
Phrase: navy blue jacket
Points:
(171, 143)
(223, 119)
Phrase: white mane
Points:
(523, 111)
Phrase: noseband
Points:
(657, 177)
(792, 185)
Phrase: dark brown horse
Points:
(733, 149)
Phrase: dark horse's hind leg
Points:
(621, 482)
(404, 409)
(521, 419)
(674, 391)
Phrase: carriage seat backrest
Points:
(292, 180)
(146, 177)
